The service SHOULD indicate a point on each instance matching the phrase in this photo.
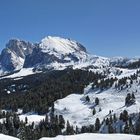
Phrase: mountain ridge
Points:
(55, 53)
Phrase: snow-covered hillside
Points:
(95, 137)
(79, 112)
(6, 137)
(21, 73)
(86, 136)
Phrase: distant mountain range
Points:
(53, 53)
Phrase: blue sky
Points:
(104, 27)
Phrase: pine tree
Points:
(97, 125)
(36, 134)
(97, 101)
(126, 128)
(114, 118)
(26, 120)
(77, 130)
(133, 96)
(91, 129)
(87, 99)
(127, 99)
(43, 132)
(121, 116)
(61, 122)
(4, 130)
(110, 128)
(94, 111)
(107, 121)
(138, 126)
(21, 134)
(130, 121)
(52, 109)
(46, 118)
(100, 109)
(111, 119)
(125, 116)
(68, 128)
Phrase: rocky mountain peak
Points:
(61, 45)
(13, 56)
(56, 49)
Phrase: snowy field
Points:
(5, 137)
(87, 136)
(95, 137)
(32, 118)
(79, 112)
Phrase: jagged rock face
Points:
(21, 48)
(55, 49)
(53, 53)
(13, 56)
(51, 49)
(37, 57)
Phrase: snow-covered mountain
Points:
(51, 53)
(13, 56)
(55, 50)
(55, 53)
(47, 53)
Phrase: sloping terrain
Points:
(6, 137)
(95, 136)
(83, 137)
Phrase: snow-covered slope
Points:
(6, 137)
(79, 112)
(60, 46)
(86, 136)
(95, 137)
(32, 118)
(21, 73)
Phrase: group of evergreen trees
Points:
(130, 99)
(123, 124)
(54, 125)
(51, 87)
(49, 127)
(103, 83)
